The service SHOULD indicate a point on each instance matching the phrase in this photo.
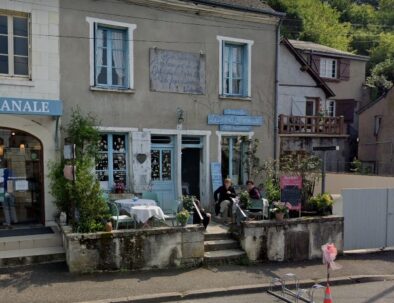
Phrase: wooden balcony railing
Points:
(312, 125)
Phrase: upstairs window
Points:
(14, 45)
(111, 57)
(111, 54)
(330, 108)
(328, 68)
(235, 67)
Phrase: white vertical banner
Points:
(141, 161)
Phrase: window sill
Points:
(16, 81)
(236, 98)
(112, 90)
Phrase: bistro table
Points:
(143, 213)
(127, 204)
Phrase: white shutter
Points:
(298, 106)
(141, 145)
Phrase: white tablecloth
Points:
(127, 204)
(144, 213)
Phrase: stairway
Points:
(31, 249)
(220, 248)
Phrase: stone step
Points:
(217, 236)
(220, 257)
(30, 242)
(20, 257)
(220, 245)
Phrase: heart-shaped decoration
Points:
(141, 158)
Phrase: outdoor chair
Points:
(170, 214)
(258, 209)
(119, 219)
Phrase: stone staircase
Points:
(221, 248)
(31, 249)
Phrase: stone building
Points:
(177, 86)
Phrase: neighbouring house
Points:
(177, 86)
(30, 108)
(376, 135)
(344, 74)
(306, 116)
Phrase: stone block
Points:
(192, 250)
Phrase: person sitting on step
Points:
(224, 196)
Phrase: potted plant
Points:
(280, 209)
(183, 216)
(244, 199)
(187, 202)
(322, 203)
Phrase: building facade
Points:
(177, 86)
(30, 108)
(375, 148)
(344, 74)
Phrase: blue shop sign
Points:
(235, 120)
(40, 107)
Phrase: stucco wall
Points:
(134, 249)
(291, 239)
(165, 29)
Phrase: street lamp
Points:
(324, 149)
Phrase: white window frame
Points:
(326, 68)
(248, 44)
(130, 32)
(11, 68)
(328, 107)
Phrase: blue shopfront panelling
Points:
(20, 106)
(235, 128)
(236, 112)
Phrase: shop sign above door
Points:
(235, 120)
(20, 106)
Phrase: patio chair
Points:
(170, 214)
(150, 195)
(258, 209)
(119, 219)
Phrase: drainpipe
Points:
(276, 88)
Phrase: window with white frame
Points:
(235, 67)
(234, 153)
(111, 54)
(14, 45)
(330, 108)
(111, 162)
(328, 68)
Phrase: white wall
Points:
(303, 84)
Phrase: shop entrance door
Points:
(21, 178)
(163, 171)
(192, 168)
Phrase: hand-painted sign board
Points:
(20, 106)
(216, 175)
(235, 128)
(290, 191)
(235, 120)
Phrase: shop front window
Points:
(234, 157)
(111, 162)
(21, 177)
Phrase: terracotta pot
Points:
(108, 226)
(279, 216)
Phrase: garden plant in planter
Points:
(183, 216)
(322, 204)
(280, 209)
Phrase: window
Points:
(310, 107)
(328, 68)
(377, 125)
(14, 45)
(111, 162)
(234, 152)
(235, 67)
(330, 108)
(111, 57)
(111, 54)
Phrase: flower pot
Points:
(108, 226)
(279, 216)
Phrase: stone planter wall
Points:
(162, 247)
(291, 239)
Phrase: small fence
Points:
(312, 125)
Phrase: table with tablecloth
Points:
(144, 212)
(127, 204)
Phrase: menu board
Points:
(216, 175)
(290, 191)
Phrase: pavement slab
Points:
(53, 283)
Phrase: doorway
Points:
(21, 178)
(191, 171)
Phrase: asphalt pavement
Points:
(53, 283)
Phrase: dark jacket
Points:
(254, 193)
(221, 194)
